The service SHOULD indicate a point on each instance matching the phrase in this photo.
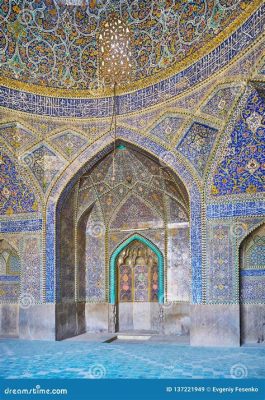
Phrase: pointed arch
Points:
(10, 269)
(59, 191)
(252, 265)
(113, 272)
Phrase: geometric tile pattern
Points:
(134, 213)
(220, 270)
(243, 166)
(129, 361)
(254, 250)
(31, 274)
(44, 164)
(15, 196)
(196, 145)
(252, 272)
(9, 291)
(236, 209)
(95, 258)
(253, 288)
(137, 175)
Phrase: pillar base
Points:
(215, 325)
(252, 323)
(9, 320)
(37, 322)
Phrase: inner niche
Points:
(10, 289)
(9, 273)
(252, 287)
(138, 285)
(102, 212)
(137, 274)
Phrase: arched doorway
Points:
(252, 287)
(99, 214)
(137, 284)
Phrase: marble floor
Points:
(95, 360)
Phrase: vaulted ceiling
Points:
(54, 43)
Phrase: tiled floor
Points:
(77, 359)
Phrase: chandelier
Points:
(114, 64)
(114, 51)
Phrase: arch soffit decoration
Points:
(123, 201)
(117, 251)
(102, 146)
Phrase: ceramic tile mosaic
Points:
(58, 360)
(151, 95)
